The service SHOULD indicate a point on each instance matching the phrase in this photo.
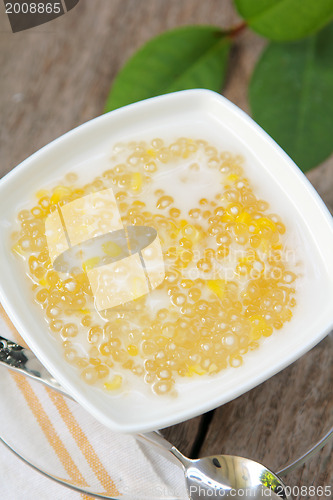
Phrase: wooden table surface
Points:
(58, 76)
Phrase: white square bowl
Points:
(204, 114)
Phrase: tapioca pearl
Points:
(55, 325)
(163, 387)
(119, 355)
(25, 243)
(138, 370)
(204, 265)
(42, 295)
(71, 177)
(69, 330)
(203, 202)
(174, 213)
(206, 347)
(89, 375)
(157, 143)
(206, 214)
(194, 294)
(229, 341)
(94, 334)
(164, 155)
(105, 349)
(33, 264)
(164, 374)
(164, 202)
(24, 215)
(78, 301)
(178, 299)
(44, 257)
(235, 361)
(70, 285)
(168, 331)
(70, 355)
(292, 302)
(211, 151)
(102, 371)
(37, 212)
(53, 312)
(289, 277)
(248, 199)
(172, 276)
(150, 167)
(86, 320)
(81, 362)
(242, 239)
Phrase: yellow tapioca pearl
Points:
(243, 268)
(186, 283)
(114, 384)
(191, 233)
(263, 224)
(44, 202)
(132, 350)
(38, 212)
(89, 375)
(281, 227)
(184, 257)
(222, 252)
(164, 202)
(233, 210)
(259, 327)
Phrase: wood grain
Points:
(58, 76)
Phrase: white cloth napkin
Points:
(61, 438)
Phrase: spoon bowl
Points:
(223, 475)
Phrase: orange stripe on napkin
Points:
(83, 443)
(69, 419)
(48, 429)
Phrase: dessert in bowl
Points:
(164, 258)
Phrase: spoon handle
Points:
(164, 446)
(24, 361)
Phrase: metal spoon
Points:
(214, 477)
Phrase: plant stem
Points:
(233, 32)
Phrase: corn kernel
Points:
(90, 263)
(136, 181)
(218, 287)
(114, 384)
(112, 249)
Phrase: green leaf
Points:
(291, 97)
(179, 59)
(284, 20)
